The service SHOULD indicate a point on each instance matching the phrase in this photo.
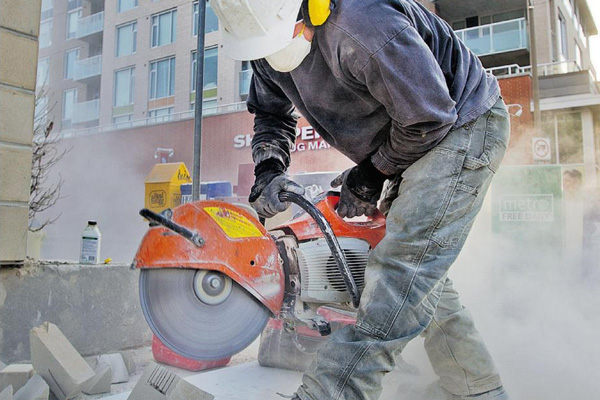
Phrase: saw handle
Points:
(167, 223)
(332, 242)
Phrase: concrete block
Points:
(18, 60)
(21, 16)
(6, 394)
(16, 118)
(101, 382)
(158, 383)
(2, 366)
(15, 173)
(35, 389)
(120, 373)
(13, 233)
(59, 363)
(15, 375)
(129, 361)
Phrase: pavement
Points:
(245, 379)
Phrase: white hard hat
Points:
(254, 29)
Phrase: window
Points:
(162, 78)
(566, 136)
(124, 5)
(121, 119)
(163, 28)
(71, 57)
(562, 37)
(210, 72)
(211, 23)
(124, 87)
(73, 4)
(160, 112)
(45, 38)
(69, 101)
(42, 71)
(72, 21)
(41, 111)
(578, 56)
(126, 39)
(47, 6)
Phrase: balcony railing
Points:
(89, 25)
(495, 38)
(88, 68)
(245, 78)
(86, 111)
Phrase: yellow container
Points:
(162, 186)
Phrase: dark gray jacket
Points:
(384, 78)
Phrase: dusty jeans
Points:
(407, 291)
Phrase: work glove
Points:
(270, 181)
(361, 189)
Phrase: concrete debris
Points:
(58, 362)
(101, 382)
(35, 389)
(120, 372)
(2, 366)
(158, 383)
(16, 375)
(6, 394)
(129, 360)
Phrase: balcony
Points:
(245, 78)
(89, 27)
(499, 37)
(88, 68)
(86, 111)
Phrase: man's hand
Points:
(270, 181)
(361, 189)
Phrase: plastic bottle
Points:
(90, 244)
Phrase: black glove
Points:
(361, 189)
(270, 181)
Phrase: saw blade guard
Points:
(221, 237)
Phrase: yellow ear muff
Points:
(318, 11)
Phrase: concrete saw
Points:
(212, 275)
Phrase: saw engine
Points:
(212, 275)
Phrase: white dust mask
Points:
(291, 56)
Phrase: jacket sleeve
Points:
(274, 118)
(405, 78)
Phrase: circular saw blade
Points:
(192, 328)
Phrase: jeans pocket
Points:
(449, 233)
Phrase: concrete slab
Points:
(58, 362)
(158, 383)
(16, 375)
(35, 389)
(118, 367)
(6, 394)
(101, 382)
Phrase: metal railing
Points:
(559, 67)
(181, 116)
(86, 111)
(495, 38)
(89, 25)
(245, 78)
(88, 67)
(546, 69)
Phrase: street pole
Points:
(537, 121)
(198, 100)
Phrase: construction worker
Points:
(389, 85)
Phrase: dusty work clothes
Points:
(385, 79)
(407, 291)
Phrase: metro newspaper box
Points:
(163, 186)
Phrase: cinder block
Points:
(18, 60)
(15, 375)
(35, 389)
(101, 382)
(13, 233)
(6, 394)
(16, 118)
(119, 370)
(158, 383)
(58, 361)
(15, 173)
(22, 16)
